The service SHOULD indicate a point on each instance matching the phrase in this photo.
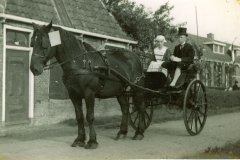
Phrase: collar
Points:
(182, 43)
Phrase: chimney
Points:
(210, 36)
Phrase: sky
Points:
(220, 17)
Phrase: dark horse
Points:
(84, 80)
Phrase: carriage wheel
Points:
(195, 107)
(134, 114)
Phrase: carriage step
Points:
(174, 89)
(179, 91)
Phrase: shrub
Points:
(222, 99)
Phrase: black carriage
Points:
(191, 98)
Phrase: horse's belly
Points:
(110, 89)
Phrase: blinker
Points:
(45, 42)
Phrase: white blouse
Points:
(159, 53)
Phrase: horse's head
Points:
(42, 51)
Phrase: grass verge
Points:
(229, 151)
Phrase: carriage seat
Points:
(156, 80)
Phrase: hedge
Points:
(222, 99)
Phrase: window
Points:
(215, 47)
(221, 49)
(218, 49)
(17, 38)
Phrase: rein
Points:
(52, 65)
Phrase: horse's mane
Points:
(71, 47)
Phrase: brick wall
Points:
(55, 111)
(41, 87)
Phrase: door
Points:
(17, 87)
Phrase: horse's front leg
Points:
(122, 100)
(77, 102)
(90, 101)
(140, 104)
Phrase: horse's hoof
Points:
(78, 144)
(120, 136)
(91, 145)
(138, 137)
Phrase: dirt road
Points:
(165, 140)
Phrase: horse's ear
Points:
(34, 26)
(48, 28)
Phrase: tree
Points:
(141, 24)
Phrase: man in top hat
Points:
(235, 86)
(182, 57)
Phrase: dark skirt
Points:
(171, 66)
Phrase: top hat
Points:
(182, 31)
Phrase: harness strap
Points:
(86, 72)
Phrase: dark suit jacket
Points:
(186, 53)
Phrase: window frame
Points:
(115, 45)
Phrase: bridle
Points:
(54, 64)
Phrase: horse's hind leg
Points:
(77, 102)
(90, 100)
(122, 100)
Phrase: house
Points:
(26, 99)
(218, 70)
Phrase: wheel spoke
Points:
(133, 111)
(191, 122)
(201, 104)
(190, 116)
(199, 95)
(199, 119)
(202, 113)
(144, 122)
(147, 115)
(191, 92)
(196, 118)
(198, 92)
(136, 119)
